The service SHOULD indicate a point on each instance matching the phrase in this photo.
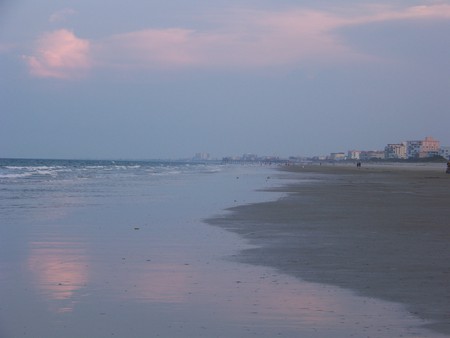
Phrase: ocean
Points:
(120, 248)
(96, 248)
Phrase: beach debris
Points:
(136, 228)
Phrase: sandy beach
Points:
(96, 249)
(380, 231)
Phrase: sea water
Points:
(119, 248)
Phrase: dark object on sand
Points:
(448, 167)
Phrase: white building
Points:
(413, 148)
(337, 156)
(372, 154)
(395, 151)
(201, 156)
(354, 154)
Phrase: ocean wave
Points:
(75, 170)
(17, 175)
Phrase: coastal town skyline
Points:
(412, 149)
(429, 147)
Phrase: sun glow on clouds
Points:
(59, 54)
(248, 39)
(254, 38)
(150, 48)
(241, 39)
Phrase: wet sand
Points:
(380, 231)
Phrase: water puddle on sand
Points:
(141, 287)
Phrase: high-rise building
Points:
(395, 151)
(428, 147)
(413, 148)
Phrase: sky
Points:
(168, 79)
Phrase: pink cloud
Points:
(149, 48)
(260, 40)
(243, 38)
(253, 38)
(380, 13)
(287, 37)
(59, 54)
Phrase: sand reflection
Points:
(159, 283)
(60, 269)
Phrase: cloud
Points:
(61, 15)
(255, 38)
(246, 40)
(59, 54)
(242, 39)
(150, 48)
(382, 13)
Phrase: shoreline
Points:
(379, 231)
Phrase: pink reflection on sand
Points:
(60, 269)
(294, 304)
(159, 283)
(264, 298)
(271, 299)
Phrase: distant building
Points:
(395, 151)
(445, 152)
(428, 147)
(298, 159)
(354, 154)
(337, 156)
(201, 156)
(372, 154)
(413, 148)
(231, 159)
(250, 157)
(270, 159)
